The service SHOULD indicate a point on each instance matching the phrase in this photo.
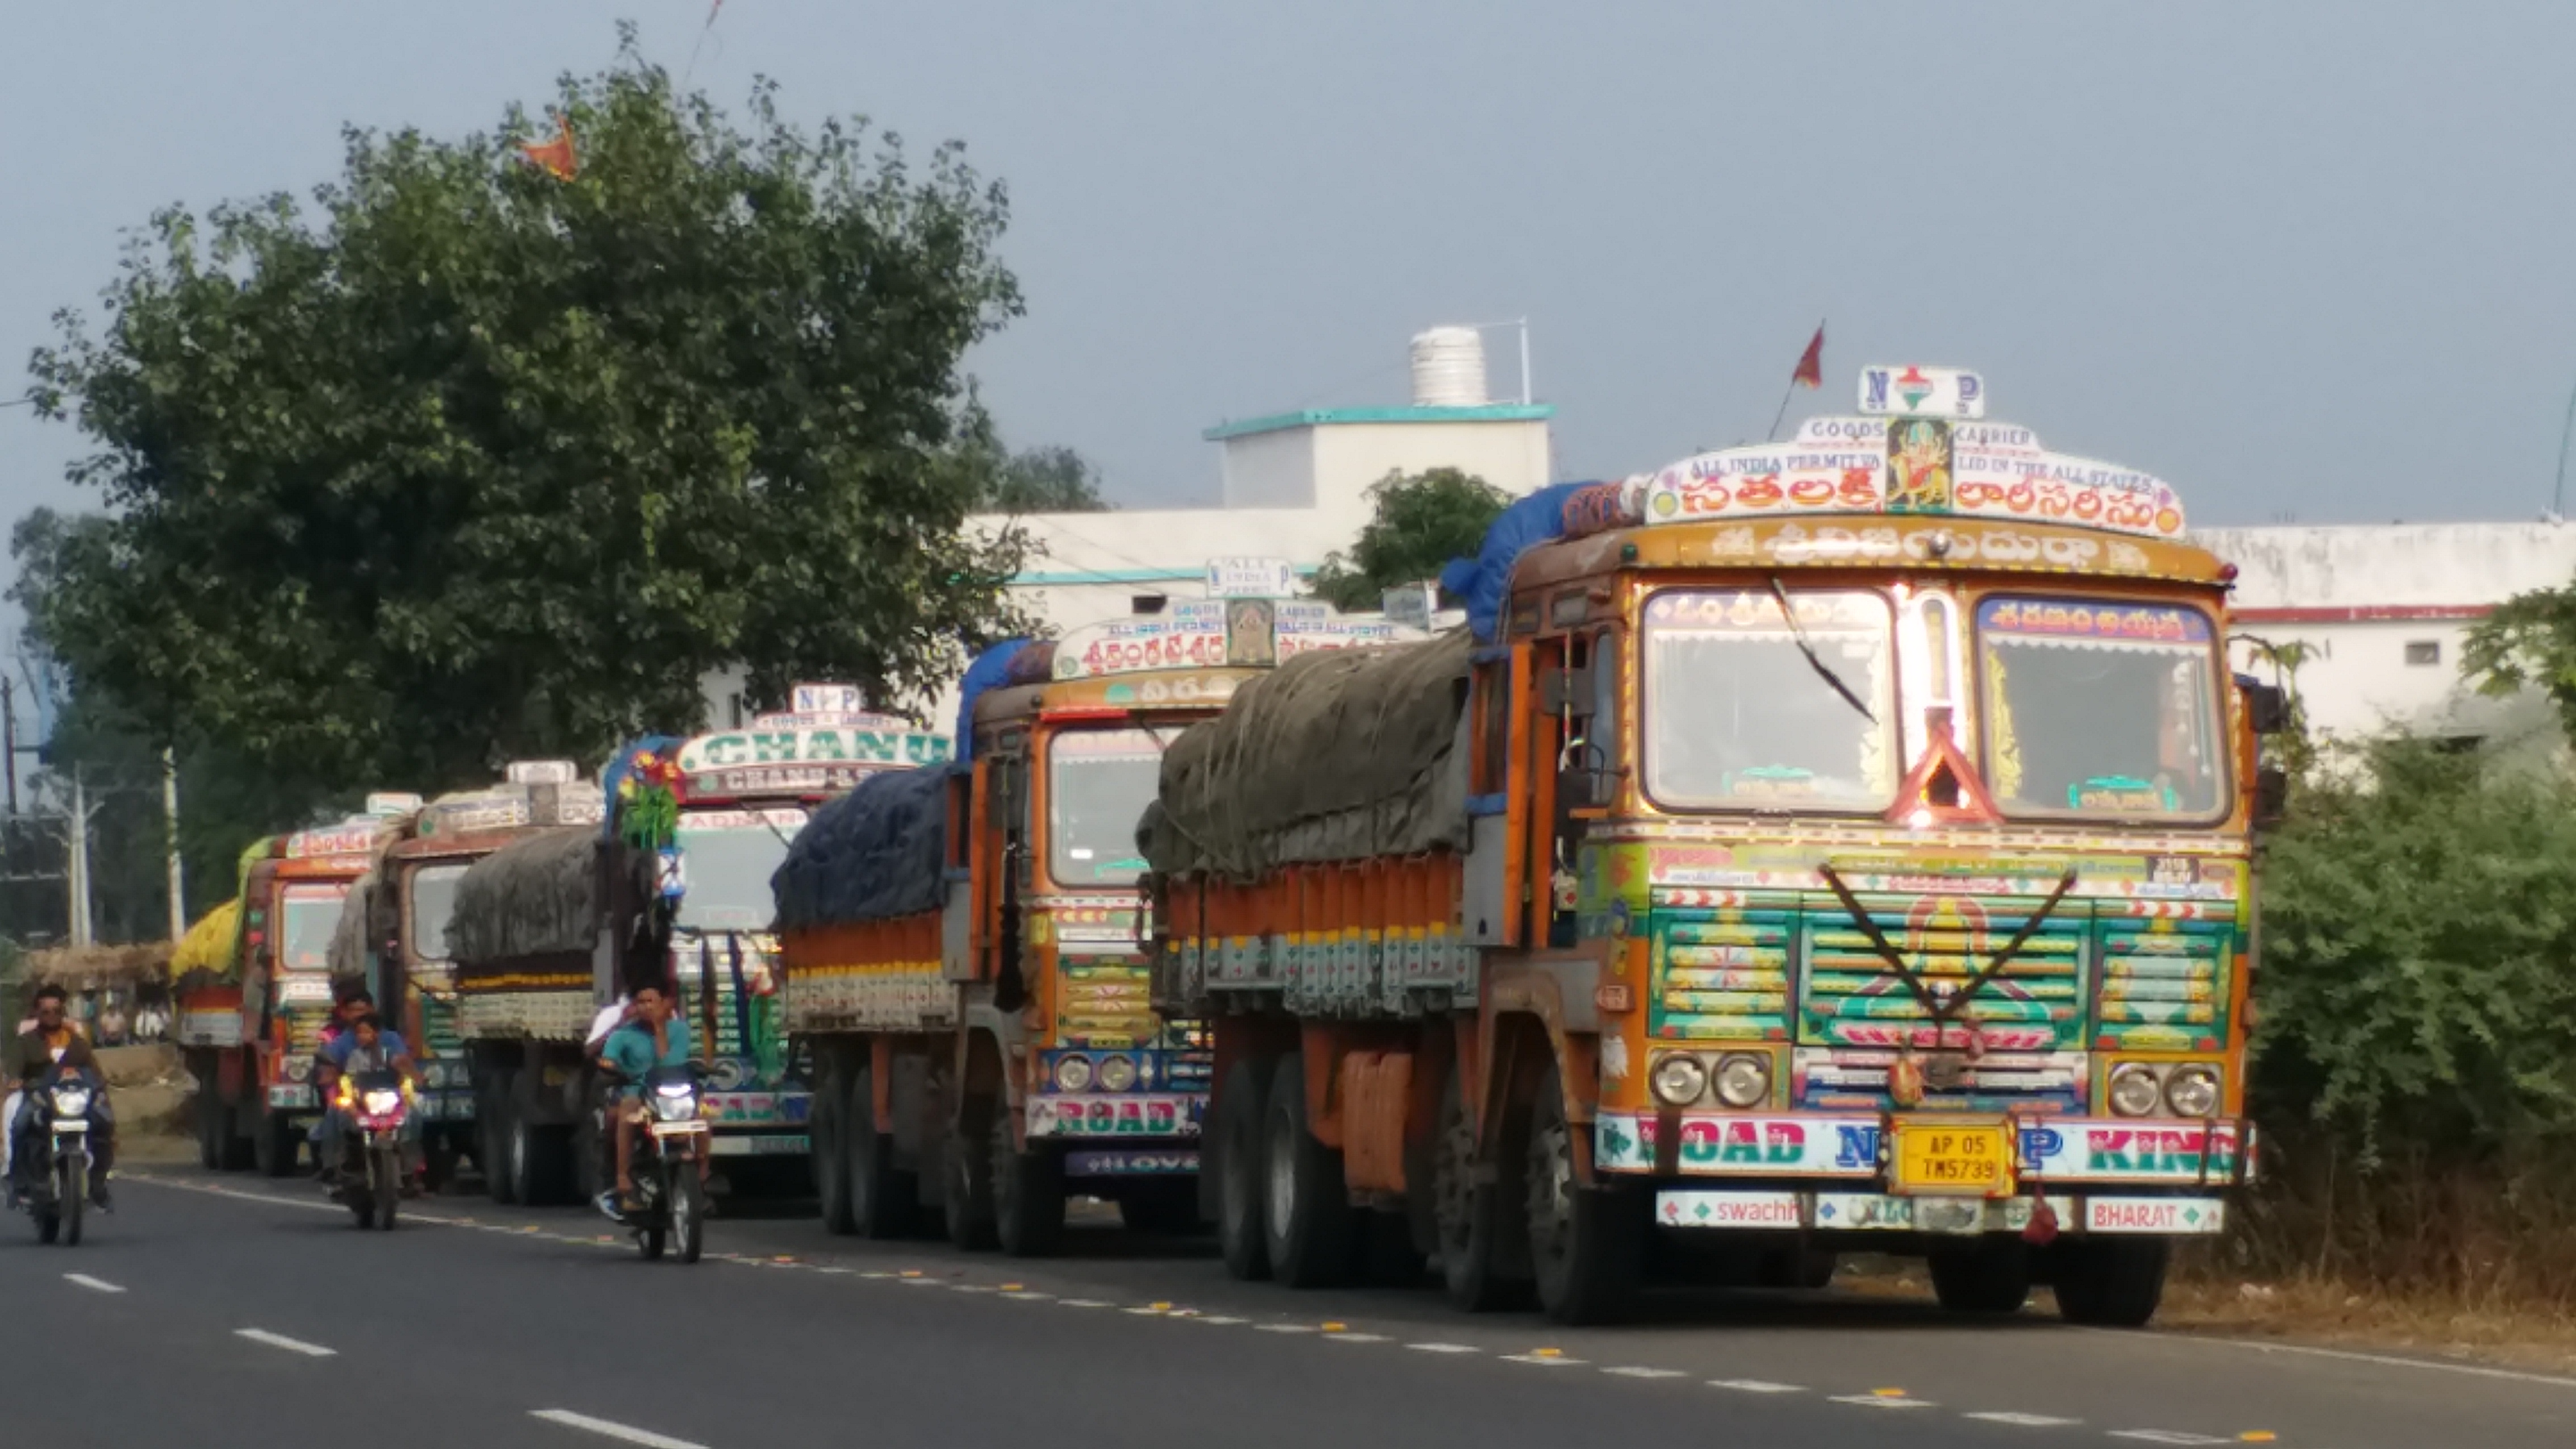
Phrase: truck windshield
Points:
(433, 901)
(1098, 785)
(312, 914)
(2098, 708)
(1737, 719)
(726, 859)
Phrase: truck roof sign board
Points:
(1922, 392)
(803, 760)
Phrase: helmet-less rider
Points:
(652, 1036)
(363, 1046)
(53, 1049)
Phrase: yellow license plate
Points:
(1950, 1158)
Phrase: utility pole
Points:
(170, 813)
(76, 869)
(9, 730)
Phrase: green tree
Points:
(463, 462)
(1421, 522)
(1051, 479)
(2528, 642)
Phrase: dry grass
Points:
(2316, 1311)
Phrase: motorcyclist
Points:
(350, 999)
(363, 1046)
(35, 1059)
(653, 1037)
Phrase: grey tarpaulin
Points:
(536, 897)
(1339, 755)
(349, 938)
(872, 854)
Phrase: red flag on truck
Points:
(1811, 363)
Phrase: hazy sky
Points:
(2306, 258)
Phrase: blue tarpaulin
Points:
(1483, 582)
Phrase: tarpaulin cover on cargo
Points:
(208, 946)
(1336, 755)
(874, 853)
(540, 896)
(349, 947)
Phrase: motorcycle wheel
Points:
(688, 1202)
(71, 1190)
(384, 1184)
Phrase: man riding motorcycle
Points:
(363, 1046)
(350, 999)
(54, 1046)
(651, 1037)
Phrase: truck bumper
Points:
(1798, 1210)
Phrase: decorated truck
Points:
(392, 932)
(961, 948)
(1827, 846)
(249, 1024)
(672, 889)
(205, 994)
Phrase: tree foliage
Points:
(2528, 642)
(2419, 970)
(1053, 479)
(461, 462)
(1420, 522)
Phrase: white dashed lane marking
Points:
(610, 1429)
(2167, 1436)
(1755, 1386)
(1883, 1401)
(279, 1340)
(2026, 1421)
(1444, 1348)
(95, 1285)
(1633, 1372)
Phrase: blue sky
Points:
(2298, 257)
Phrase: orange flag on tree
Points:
(1811, 363)
(554, 156)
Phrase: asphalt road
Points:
(230, 1311)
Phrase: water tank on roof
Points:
(1449, 368)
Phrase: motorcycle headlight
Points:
(71, 1101)
(1117, 1074)
(675, 1104)
(2135, 1091)
(2192, 1091)
(1678, 1079)
(1072, 1074)
(381, 1103)
(1744, 1080)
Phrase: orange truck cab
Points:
(1835, 845)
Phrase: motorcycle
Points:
(58, 1145)
(376, 1105)
(671, 1198)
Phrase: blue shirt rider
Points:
(652, 1037)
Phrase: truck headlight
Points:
(2135, 1092)
(1072, 1073)
(2192, 1091)
(1117, 1073)
(1678, 1079)
(1743, 1080)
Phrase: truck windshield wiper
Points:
(1814, 660)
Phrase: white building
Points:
(2383, 611)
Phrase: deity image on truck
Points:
(1775, 868)
(961, 941)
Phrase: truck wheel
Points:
(885, 1201)
(211, 1126)
(1984, 1278)
(275, 1144)
(500, 1177)
(1306, 1211)
(1586, 1243)
(238, 1148)
(968, 1166)
(828, 1131)
(1028, 1195)
(1478, 1254)
(1241, 1186)
(2111, 1283)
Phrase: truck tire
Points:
(275, 1145)
(885, 1201)
(967, 1163)
(214, 1128)
(500, 1178)
(1986, 1278)
(829, 1132)
(1241, 1187)
(1028, 1195)
(1587, 1244)
(2111, 1282)
(1478, 1224)
(1306, 1209)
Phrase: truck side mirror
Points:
(2271, 796)
(2267, 707)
